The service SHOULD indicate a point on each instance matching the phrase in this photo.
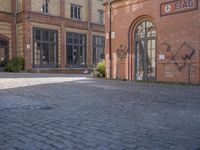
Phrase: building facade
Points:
(153, 40)
(52, 33)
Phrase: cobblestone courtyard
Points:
(69, 112)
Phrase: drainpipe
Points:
(129, 32)
(15, 20)
(110, 34)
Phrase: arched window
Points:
(145, 51)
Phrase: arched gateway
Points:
(145, 51)
(3, 52)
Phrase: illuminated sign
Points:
(178, 6)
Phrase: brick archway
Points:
(131, 45)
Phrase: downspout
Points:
(110, 34)
(15, 21)
(129, 55)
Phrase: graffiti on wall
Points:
(122, 51)
(182, 59)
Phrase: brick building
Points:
(153, 40)
(52, 33)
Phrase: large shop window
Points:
(45, 48)
(145, 51)
(76, 50)
(98, 49)
(3, 52)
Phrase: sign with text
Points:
(178, 6)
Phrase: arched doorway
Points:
(3, 52)
(145, 51)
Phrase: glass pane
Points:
(3, 58)
(3, 43)
(37, 53)
(70, 54)
(94, 55)
(53, 36)
(153, 54)
(75, 12)
(45, 35)
(45, 54)
(151, 69)
(76, 55)
(101, 54)
(72, 11)
(76, 39)
(82, 55)
(37, 34)
(154, 44)
(52, 54)
(139, 58)
(79, 13)
(69, 38)
(81, 39)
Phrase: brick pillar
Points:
(27, 45)
(62, 35)
(63, 45)
(14, 40)
(62, 9)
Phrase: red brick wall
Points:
(173, 29)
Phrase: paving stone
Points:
(61, 112)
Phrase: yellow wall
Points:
(53, 6)
(96, 6)
(19, 5)
(82, 3)
(5, 5)
(20, 51)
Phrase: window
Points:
(101, 17)
(44, 8)
(76, 50)
(45, 44)
(76, 12)
(145, 45)
(98, 49)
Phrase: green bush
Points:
(15, 65)
(100, 69)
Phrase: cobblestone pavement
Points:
(69, 112)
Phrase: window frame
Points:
(76, 36)
(49, 43)
(75, 14)
(98, 45)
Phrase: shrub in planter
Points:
(15, 65)
(100, 69)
